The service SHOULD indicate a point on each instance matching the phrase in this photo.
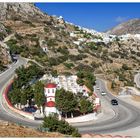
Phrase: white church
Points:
(49, 91)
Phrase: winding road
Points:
(126, 116)
(137, 80)
(5, 112)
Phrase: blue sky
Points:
(98, 16)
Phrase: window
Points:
(48, 90)
(52, 90)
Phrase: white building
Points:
(49, 91)
(69, 83)
(45, 49)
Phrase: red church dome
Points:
(50, 104)
(50, 85)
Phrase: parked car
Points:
(30, 109)
(103, 93)
(114, 102)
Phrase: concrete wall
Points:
(10, 106)
(85, 118)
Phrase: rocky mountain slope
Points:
(129, 27)
(64, 48)
(4, 51)
(20, 11)
(34, 27)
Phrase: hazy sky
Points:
(99, 16)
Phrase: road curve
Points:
(126, 115)
(137, 80)
(5, 112)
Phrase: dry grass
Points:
(135, 97)
(115, 92)
(13, 130)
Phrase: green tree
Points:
(113, 84)
(54, 73)
(85, 106)
(80, 82)
(15, 96)
(29, 92)
(23, 98)
(76, 133)
(125, 67)
(65, 101)
(80, 74)
(39, 95)
(50, 122)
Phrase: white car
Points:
(103, 93)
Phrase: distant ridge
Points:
(129, 27)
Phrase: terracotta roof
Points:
(50, 104)
(50, 85)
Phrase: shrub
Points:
(8, 29)
(77, 57)
(29, 23)
(63, 50)
(69, 65)
(19, 37)
(53, 61)
(114, 55)
(80, 82)
(52, 42)
(138, 54)
(54, 73)
(113, 84)
(95, 64)
(63, 127)
(83, 67)
(125, 67)
(46, 29)
(58, 60)
(2, 35)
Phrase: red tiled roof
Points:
(50, 85)
(50, 104)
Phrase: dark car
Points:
(114, 102)
(30, 109)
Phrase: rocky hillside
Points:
(129, 27)
(20, 11)
(4, 51)
(61, 47)
(32, 29)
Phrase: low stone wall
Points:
(84, 118)
(10, 106)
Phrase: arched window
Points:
(48, 90)
(52, 90)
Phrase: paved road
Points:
(5, 113)
(126, 115)
(137, 80)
